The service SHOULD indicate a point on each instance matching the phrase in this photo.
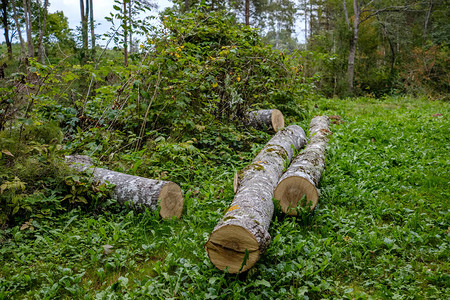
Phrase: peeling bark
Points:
(142, 192)
(266, 118)
(246, 222)
(302, 177)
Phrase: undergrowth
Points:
(380, 230)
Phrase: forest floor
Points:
(381, 229)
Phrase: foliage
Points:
(34, 179)
(380, 230)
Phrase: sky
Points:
(102, 8)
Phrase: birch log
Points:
(269, 118)
(245, 225)
(142, 192)
(302, 177)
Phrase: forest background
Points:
(165, 98)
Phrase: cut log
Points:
(266, 118)
(303, 175)
(141, 192)
(244, 227)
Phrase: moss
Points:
(281, 152)
(257, 167)
(228, 218)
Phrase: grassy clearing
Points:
(381, 229)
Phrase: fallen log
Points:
(303, 175)
(266, 118)
(141, 192)
(242, 236)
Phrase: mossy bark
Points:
(303, 175)
(141, 192)
(244, 227)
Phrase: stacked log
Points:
(242, 236)
(301, 179)
(141, 192)
(267, 118)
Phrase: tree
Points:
(92, 29)
(127, 12)
(18, 26)
(28, 26)
(5, 22)
(42, 26)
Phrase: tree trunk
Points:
(186, 5)
(427, 19)
(353, 41)
(41, 33)
(247, 12)
(92, 30)
(6, 27)
(302, 177)
(16, 21)
(84, 11)
(142, 192)
(266, 118)
(27, 13)
(242, 236)
(125, 34)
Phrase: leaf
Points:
(107, 249)
(16, 209)
(262, 282)
(244, 261)
(7, 153)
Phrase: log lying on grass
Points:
(141, 192)
(302, 177)
(269, 118)
(244, 228)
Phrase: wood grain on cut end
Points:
(227, 245)
(171, 201)
(277, 120)
(291, 190)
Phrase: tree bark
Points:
(19, 31)
(6, 27)
(27, 13)
(125, 34)
(41, 33)
(142, 192)
(353, 42)
(247, 12)
(84, 11)
(92, 30)
(267, 118)
(302, 177)
(244, 228)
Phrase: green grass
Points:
(381, 229)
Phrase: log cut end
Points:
(171, 201)
(277, 120)
(226, 248)
(291, 190)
